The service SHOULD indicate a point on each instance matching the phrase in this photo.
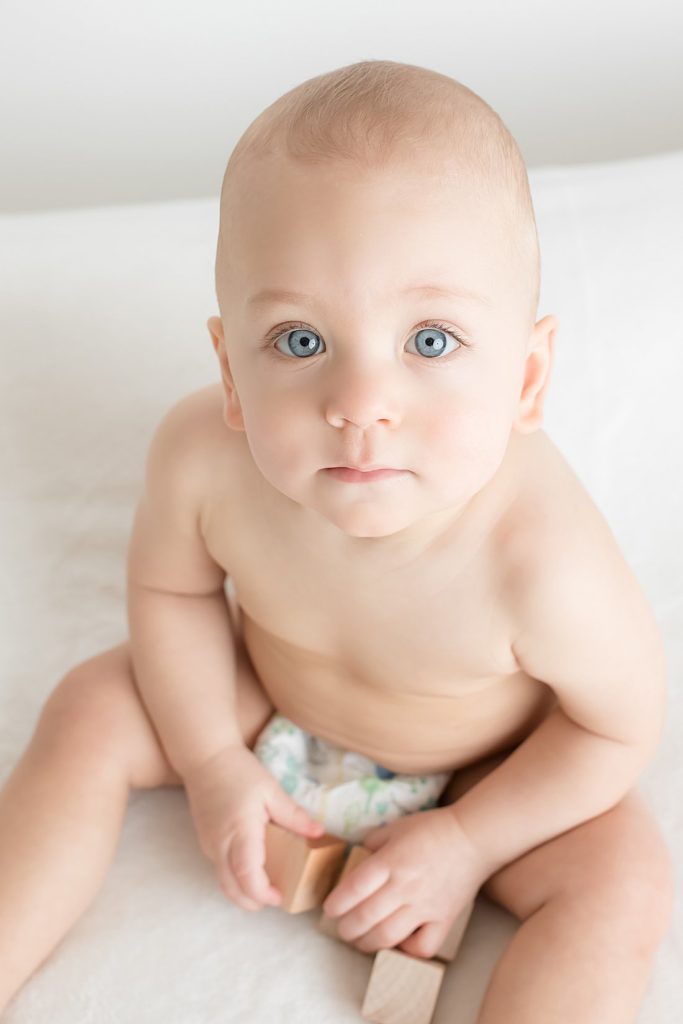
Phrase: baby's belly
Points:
(400, 728)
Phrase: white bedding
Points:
(102, 327)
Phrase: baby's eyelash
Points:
(442, 327)
(277, 332)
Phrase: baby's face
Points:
(370, 364)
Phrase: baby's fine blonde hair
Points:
(377, 113)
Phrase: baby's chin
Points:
(375, 516)
(383, 513)
(366, 520)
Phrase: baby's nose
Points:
(363, 395)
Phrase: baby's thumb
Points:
(295, 818)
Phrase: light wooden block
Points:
(304, 870)
(357, 854)
(389, 980)
(450, 945)
(403, 989)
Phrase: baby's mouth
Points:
(358, 476)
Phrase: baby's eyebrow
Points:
(272, 296)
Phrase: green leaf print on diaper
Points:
(352, 816)
(371, 786)
(267, 754)
(279, 724)
(289, 783)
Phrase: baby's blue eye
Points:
(301, 342)
(433, 340)
(430, 341)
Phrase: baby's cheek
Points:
(467, 449)
(455, 431)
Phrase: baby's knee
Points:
(649, 889)
(83, 718)
(634, 886)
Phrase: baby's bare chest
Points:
(408, 631)
(410, 665)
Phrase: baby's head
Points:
(365, 191)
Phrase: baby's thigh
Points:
(617, 863)
(97, 712)
(618, 860)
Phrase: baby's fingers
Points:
(233, 892)
(247, 858)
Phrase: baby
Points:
(420, 589)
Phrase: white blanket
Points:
(102, 327)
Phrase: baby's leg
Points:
(63, 805)
(594, 904)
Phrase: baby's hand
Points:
(232, 797)
(422, 875)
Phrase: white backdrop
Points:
(134, 100)
(102, 326)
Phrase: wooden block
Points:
(403, 989)
(304, 870)
(357, 854)
(450, 945)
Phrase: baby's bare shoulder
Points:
(582, 623)
(196, 434)
(192, 449)
(553, 514)
(568, 532)
(167, 550)
(199, 415)
(565, 553)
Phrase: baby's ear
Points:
(537, 367)
(215, 325)
(232, 412)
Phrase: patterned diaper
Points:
(347, 792)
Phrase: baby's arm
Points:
(588, 632)
(180, 630)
